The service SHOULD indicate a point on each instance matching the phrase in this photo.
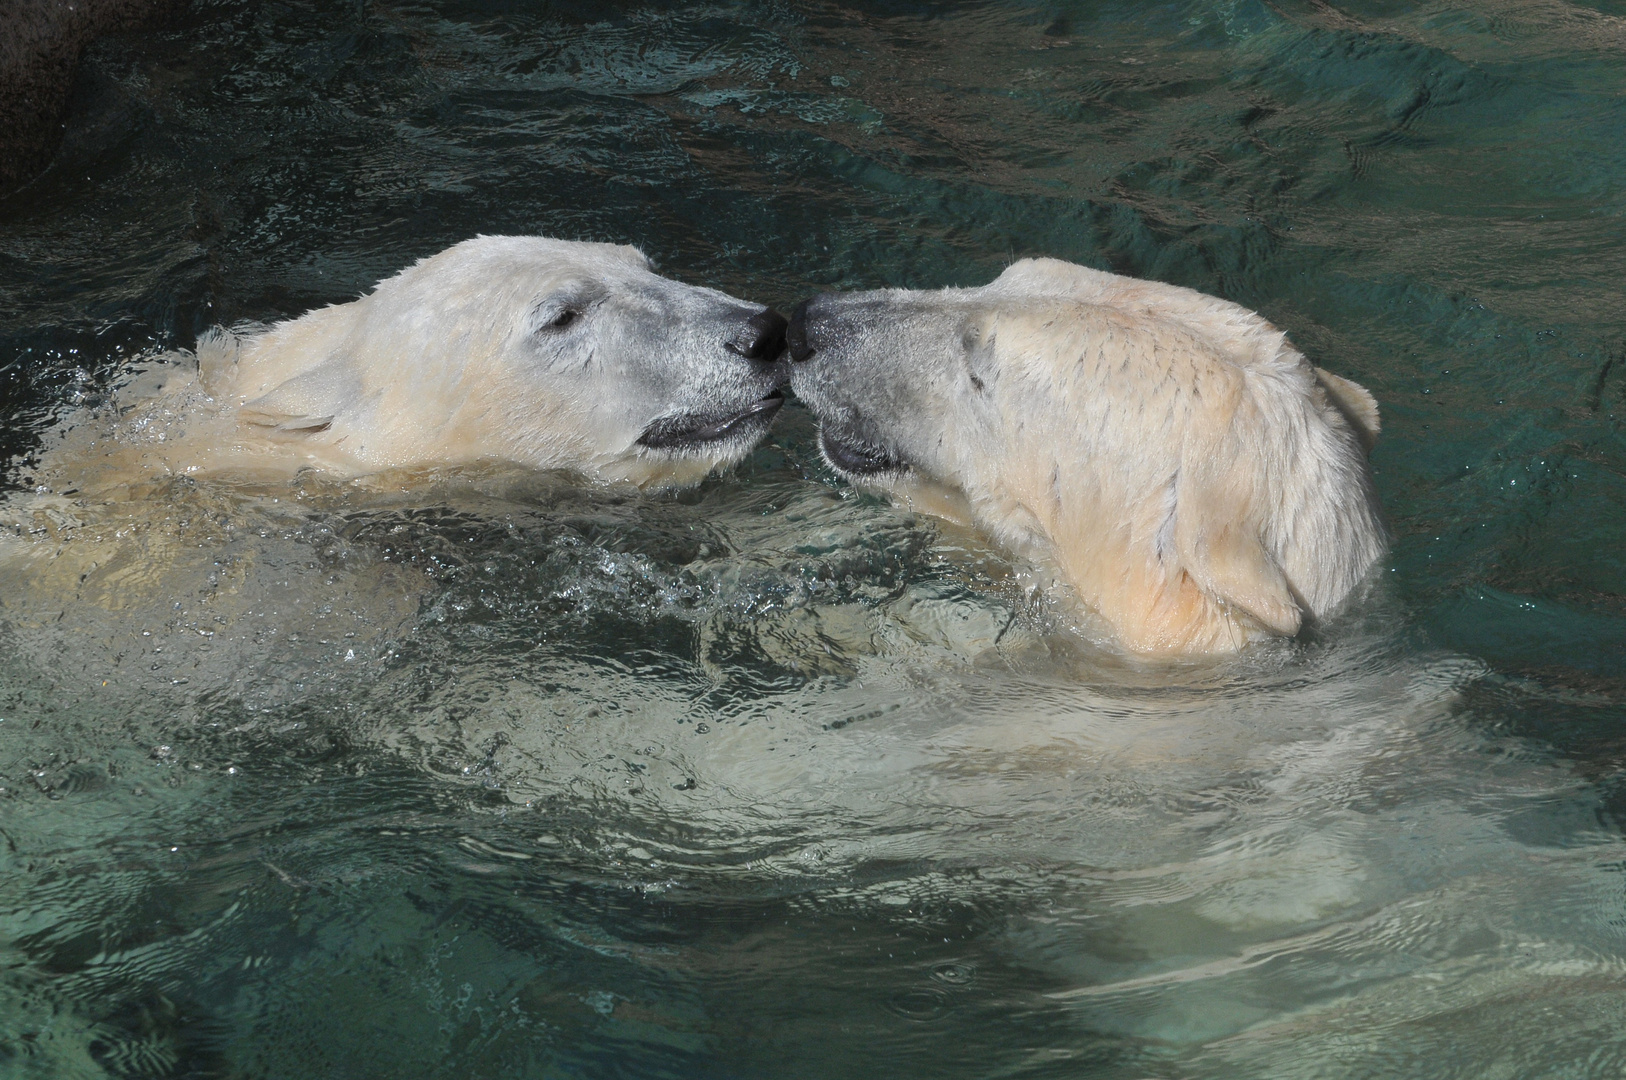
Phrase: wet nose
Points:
(762, 337)
(796, 333)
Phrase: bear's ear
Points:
(305, 404)
(1232, 566)
(1359, 407)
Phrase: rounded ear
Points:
(306, 404)
(1359, 407)
(1237, 571)
(1228, 561)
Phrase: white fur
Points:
(1191, 476)
(454, 360)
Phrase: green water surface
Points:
(500, 777)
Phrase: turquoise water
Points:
(499, 777)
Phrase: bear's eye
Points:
(562, 308)
(554, 315)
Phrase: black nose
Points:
(796, 333)
(761, 338)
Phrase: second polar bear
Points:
(545, 353)
(1191, 476)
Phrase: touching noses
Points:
(796, 333)
(762, 337)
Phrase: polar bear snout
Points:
(762, 337)
(832, 322)
(718, 407)
(796, 334)
(859, 362)
(845, 441)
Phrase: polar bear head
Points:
(546, 353)
(1188, 473)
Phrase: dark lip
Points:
(855, 458)
(698, 429)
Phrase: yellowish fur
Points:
(1192, 478)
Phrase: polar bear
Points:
(1180, 465)
(544, 353)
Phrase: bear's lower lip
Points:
(854, 458)
(694, 429)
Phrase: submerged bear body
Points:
(1186, 471)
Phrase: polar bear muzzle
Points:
(846, 367)
(760, 340)
(695, 430)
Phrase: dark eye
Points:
(560, 310)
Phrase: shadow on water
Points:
(486, 774)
